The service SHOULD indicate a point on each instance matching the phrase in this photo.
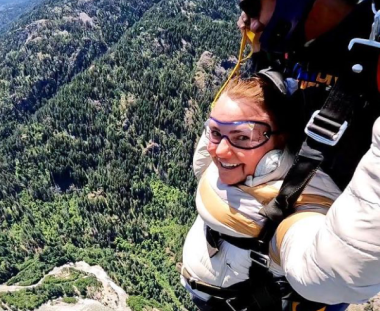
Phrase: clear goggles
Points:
(240, 134)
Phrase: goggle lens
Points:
(241, 134)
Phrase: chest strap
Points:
(242, 296)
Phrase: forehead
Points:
(228, 110)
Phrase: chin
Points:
(230, 181)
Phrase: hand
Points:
(246, 22)
(256, 14)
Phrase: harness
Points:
(263, 291)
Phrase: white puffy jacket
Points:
(331, 257)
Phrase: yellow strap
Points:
(246, 35)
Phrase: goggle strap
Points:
(270, 133)
(246, 35)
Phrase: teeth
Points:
(227, 165)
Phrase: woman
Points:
(329, 259)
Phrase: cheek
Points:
(251, 159)
(211, 148)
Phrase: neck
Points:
(325, 16)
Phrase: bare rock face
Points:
(152, 148)
(210, 71)
(206, 61)
(205, 65)
(372, 305)
(86, 19)
(111, 297)
(190, 113)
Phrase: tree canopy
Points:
(101, 105)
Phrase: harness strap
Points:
(360, 76)
(213, 237)
(302, 170)
(212, 290)
(261, 292)
(259, 273)
(324, 131)
(248, 295)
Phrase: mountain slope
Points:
(53, 43)
(101, 171)
(10, 10)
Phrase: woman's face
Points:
(227, 110)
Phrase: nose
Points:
(224, 149)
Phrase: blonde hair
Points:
(262, 93)
(247, 90)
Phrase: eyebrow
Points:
(236, 132)
(231, 132)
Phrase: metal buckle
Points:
(321, 139)
(229, 303)
(261, 259)
(375, 32)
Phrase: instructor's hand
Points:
(246, 22)
(255, 14)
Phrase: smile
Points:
(228, 165)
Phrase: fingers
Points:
(256, 26)
(243, 21)
(244, 17)
(253, 24)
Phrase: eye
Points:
(243, 138)
(215, 134)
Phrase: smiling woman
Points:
(241, 160)
(241, 130)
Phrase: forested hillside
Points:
(95, 153)
(57, 40)
(10, 10)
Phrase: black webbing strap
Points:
(262, 292)
(294, 183)
(216, 291)
(212, 290)
(213, 237)
(326, 127)
(338, 108)
(260, 301)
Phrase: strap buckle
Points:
(375, 32)
(229, 303)
(322, 139)
(260, 259)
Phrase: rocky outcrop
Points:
(212, 72)
(372, 305)
(111, 297)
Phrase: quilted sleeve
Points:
(201, 159)
(336, 258)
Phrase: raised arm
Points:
(336, 258)
(201, 159)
